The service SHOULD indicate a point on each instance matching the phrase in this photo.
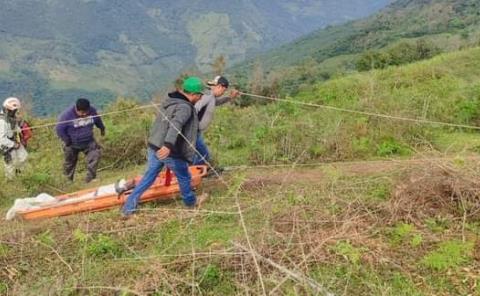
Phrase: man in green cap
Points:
(166, 147)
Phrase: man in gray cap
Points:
(206, 108)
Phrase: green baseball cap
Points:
(193, 85)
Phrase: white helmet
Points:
(12, 104)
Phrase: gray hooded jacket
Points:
(206, 107)
(182, 117)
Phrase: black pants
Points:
(92, 153)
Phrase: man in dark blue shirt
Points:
(75, 129)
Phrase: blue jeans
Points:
(154, 166)
(203, 149)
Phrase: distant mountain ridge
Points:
(448, 24)
(135, 47)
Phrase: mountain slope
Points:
(449, 24)
(135, 47)
(368, 227)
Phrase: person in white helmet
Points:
(11, 148)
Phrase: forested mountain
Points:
(56, 49)
(405, 31)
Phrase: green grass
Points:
(157, 250)
(366, 281)
(104, 246)
(337, 219)
(4, 249)
(404, 233)
(346, 250)
(449, 254)
(215, 281)
(456, 141)
(444, 25)
(380, 191)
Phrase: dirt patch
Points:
(314, 173)
(257, 183)
(423, 187)
(434, 190)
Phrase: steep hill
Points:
(405, 224)
(443, 24)
(51, 50)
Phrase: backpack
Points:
(26, 132)
(22, 137)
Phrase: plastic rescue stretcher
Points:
(92, 200)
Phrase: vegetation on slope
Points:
(378, 228)
(446, 24)
(52, 50)
(445, 88)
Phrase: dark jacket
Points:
(78, 131)
(182, 117)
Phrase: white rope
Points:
(95, 116)
(193, 146)
(153, 105)
(242, 221)
(334, 163)
(371, 114)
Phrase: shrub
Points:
(402, 285)
(210, 277)
(46, 238)
(404, 232)
(348, 251)
(400, 54)
(4, 249)
(391, 147)
(104, 246)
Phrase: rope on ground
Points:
(297, 276)
(242, 221)
(319, 164)
(371, 114)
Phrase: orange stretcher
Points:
(164, 188)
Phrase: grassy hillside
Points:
(445, 25)
(362, 227)
(444, 88)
